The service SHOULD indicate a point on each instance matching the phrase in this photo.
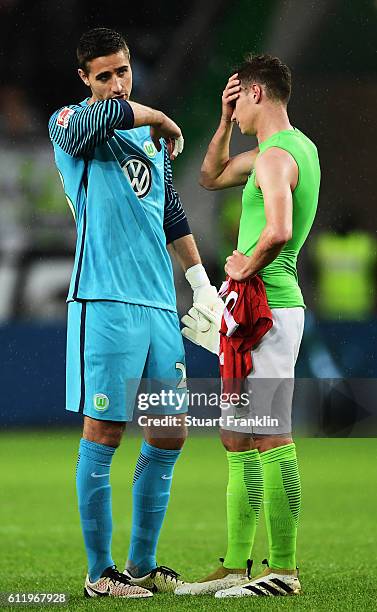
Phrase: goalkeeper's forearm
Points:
(144, 115)
(185, 251)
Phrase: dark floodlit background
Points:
(182, 54)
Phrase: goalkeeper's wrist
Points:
(197, 277)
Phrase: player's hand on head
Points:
(237, 266)
(229, 98)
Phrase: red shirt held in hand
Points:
(247, 318)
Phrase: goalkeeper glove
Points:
(202, 323)
(202, 327)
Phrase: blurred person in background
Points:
(345, 261)
(279, 203)
(122, 319)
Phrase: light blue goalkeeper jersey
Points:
(120, 190)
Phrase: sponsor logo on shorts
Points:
(149, 148)
(101, 402)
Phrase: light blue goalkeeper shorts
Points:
(112, 347)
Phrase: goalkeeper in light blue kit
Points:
(113, 157)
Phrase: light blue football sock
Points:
(94, 497)
(151, 491)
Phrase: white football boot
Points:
(114, 584)
(222, 578)
(160, 580)
(270, 583)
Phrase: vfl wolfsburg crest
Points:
(149, 148)
(139, 174)
(101, 402)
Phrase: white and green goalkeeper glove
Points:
(202, 323)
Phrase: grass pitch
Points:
(42, 549)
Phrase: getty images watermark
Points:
(223, 422)
(235, 409)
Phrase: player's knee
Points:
(108, 433)
(166, 443)
(168, 439)
(169, 436)
(265, 443)
(235, 442)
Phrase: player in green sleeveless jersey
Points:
(281, 178)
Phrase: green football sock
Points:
(244, 500)
(282, 499)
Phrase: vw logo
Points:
(139, 175)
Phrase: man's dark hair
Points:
(268, 71)
(97, 43)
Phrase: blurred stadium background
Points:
(182, 54)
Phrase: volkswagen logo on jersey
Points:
(139, 175)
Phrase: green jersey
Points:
(280, 276)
